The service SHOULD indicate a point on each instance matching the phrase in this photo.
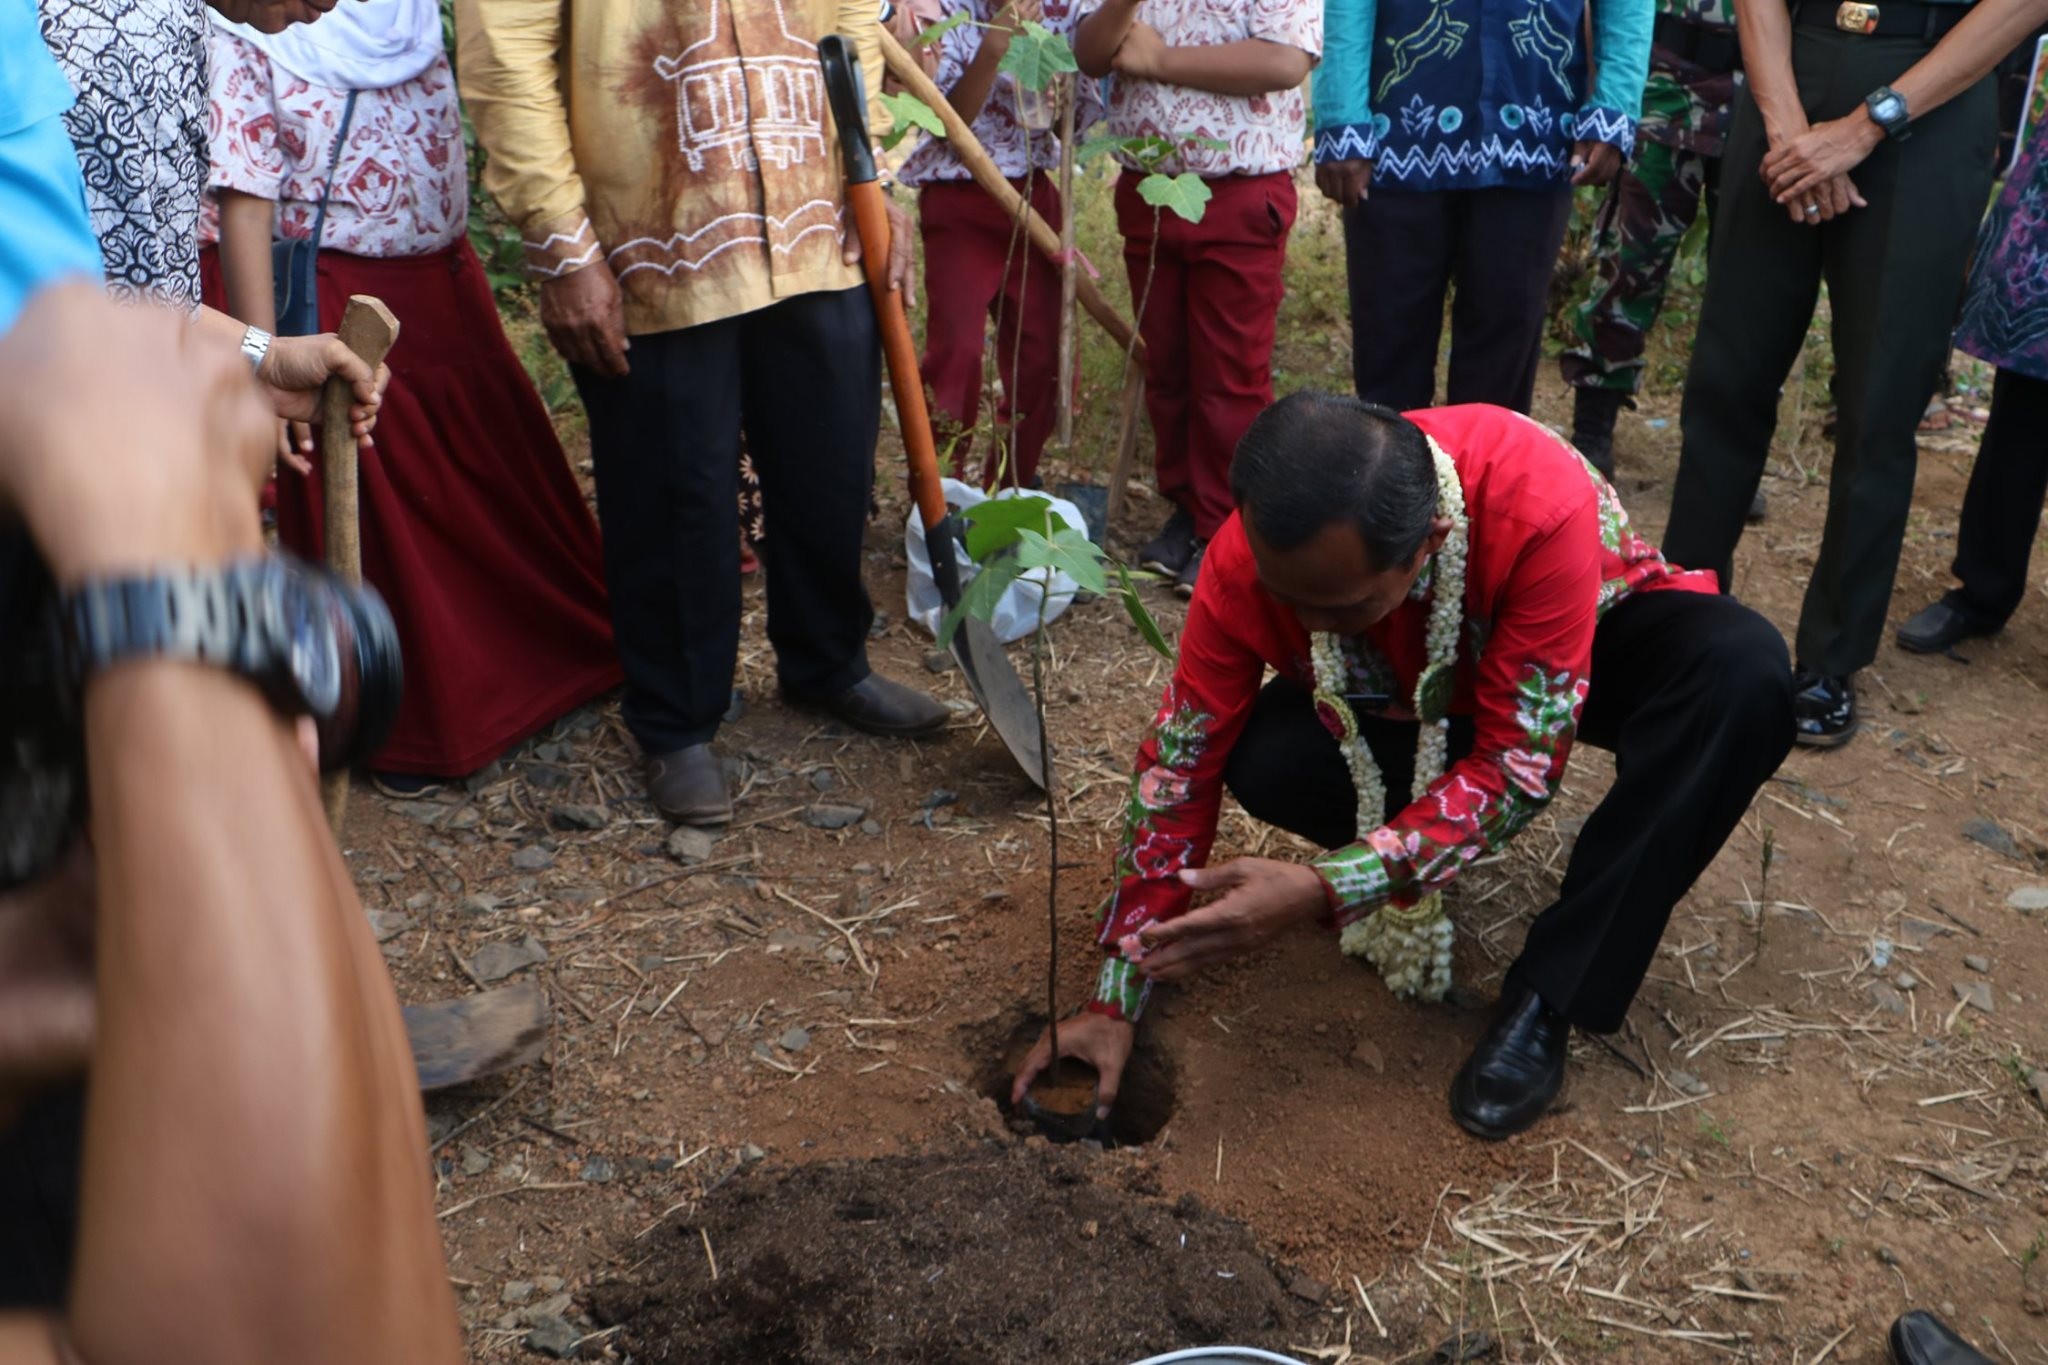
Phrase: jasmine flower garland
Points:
(1410, 946)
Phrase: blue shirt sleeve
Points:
(45, 233)
(1341, 85)
(1621, 53)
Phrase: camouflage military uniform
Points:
(1652, 204)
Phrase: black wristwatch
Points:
(313, 645)
(1888, 111)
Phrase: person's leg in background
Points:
(1027, 326)
(1507, 243)
(1398, 248)
(965, 233)
(1895, 274)
(1235, 256)
(2001, 518)
(665, 444)
(1763, 278)
(1159, 294)
(1646, 214)
(815, 459)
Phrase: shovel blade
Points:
(1001, 695)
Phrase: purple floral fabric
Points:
(2005, 306)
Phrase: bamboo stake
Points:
(1126, 441)
(1070, 273)
(983, 168)
(367, 328)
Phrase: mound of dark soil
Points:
(1005, 1253)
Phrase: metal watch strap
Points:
(256, 347)
(226, 616)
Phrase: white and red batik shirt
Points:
(1549, 551)
(1260, 134)
(401, 187)
(1016, 149)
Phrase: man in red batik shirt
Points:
(1350, 516)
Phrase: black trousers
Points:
(1493, 250)
(1894, 272)
(1693, 695)
(802, 379)
(2002, 510)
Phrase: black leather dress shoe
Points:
(1920, 1338)
(688, 786)
(1935, 629)
(880, 707)
(1823, 708)
(1516, 1070)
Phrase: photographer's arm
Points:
(254, 1182)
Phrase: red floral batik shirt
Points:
(1550, 550)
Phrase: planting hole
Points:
(1143, 1105)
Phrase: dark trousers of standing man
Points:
(1894, 272)
(802, 378)
(1692, 694)
(2002, 510)
(1494, 248)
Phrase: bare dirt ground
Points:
(1822, 1112)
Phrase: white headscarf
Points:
(357, 45)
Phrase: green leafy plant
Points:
(1008, 538)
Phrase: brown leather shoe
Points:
(880, 707)
(688, 786)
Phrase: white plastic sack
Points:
(1016, 613)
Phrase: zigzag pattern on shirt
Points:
(1599, 124)
(1467, 158)
(1347, 142)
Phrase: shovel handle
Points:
(871, 220)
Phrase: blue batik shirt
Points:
(1470, 94)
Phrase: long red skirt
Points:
(473, 527)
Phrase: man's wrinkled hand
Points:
(1102, 1042)
(902, 272)
(1346, 182)
(1798, 168)
(585, 317)
(1595, 163)
(296, 369)
(1258, 900)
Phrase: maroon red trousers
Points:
(1207, 317)
(980, 269)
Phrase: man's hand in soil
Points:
(1260, 899)
(902, 275)
(1102, 1042)
(585, 318)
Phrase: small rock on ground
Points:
(388, 924)
(826, 815)
(496, 961)
(578, 817)
(475, 1161)
(690, 844)
(1689, 1084)
(533, 858)
(796, 1040)
(1976, 993)
(597, 1170)
(2028, 899)
(1976, 962)
(515, 1291)
(1366, 1056)
(553, 1336)
(1995, 837)
(1885, 997)
(1906, 981)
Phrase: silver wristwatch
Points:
(255, 346)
